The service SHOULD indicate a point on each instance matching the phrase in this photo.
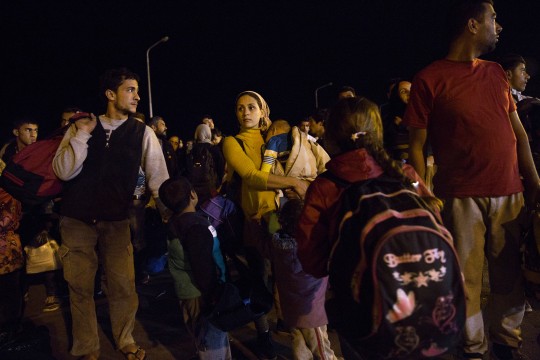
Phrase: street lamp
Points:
(317, 90)
(163, 39)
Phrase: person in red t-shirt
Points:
(463, 106)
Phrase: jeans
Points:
(78, 251)
(211, 343)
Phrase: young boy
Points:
(194, 261)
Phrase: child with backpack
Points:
(301, 295)
(194, 260)
(371, 224)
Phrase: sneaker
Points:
(52, 303)
(505, 352)
(265, 348)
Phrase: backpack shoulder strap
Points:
(237, 177)
(240, 142)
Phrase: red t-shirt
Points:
(465, 108)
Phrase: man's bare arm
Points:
(525, 160)
(417, 139)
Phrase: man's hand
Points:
(86, 124)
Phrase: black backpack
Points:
(394, 273)
(201, 172)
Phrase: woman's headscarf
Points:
(203, 134)
(264, 122)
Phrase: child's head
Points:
(278, 127)
(354, 123)
(177, 193)
(289, 215)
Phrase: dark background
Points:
(53, 53)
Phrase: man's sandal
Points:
(138, 354)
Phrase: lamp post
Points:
(163, 39)
(316, 93)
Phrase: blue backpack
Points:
(394, 273)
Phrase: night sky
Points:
(53, 53)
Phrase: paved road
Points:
(159, 329)
(160, 332)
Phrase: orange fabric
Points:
(11, 256)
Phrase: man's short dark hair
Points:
(113, 78)
(71, 109)
(459, 14)
(510, 61)
(24, 120)
(176, 193)
(320, 115)
(154, 121)
(289, 214)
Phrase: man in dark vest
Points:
(100, 159)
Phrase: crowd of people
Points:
(460, 130)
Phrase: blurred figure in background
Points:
(396, 135)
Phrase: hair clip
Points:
(355, 136)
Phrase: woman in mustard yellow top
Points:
(257, 195)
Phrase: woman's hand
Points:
(293, 188)
(298, 190)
